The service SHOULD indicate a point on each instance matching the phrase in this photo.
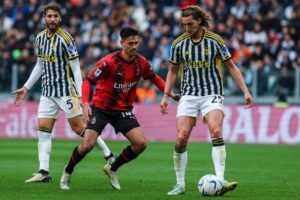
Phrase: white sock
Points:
(101, 145)
(219, 157)
(180, 161)
(44, 149)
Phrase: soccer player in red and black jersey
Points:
(116, 77)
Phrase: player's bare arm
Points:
(171, 78)
(238, 77)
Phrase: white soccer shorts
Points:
(49, 107)
(192, 105)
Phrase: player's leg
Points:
(187, 112)
(73, 111)
(180, 156)
(109, 156)
(79, 152)
(214, 120)
(95, 125)
(137, 146)
(47, 114)
(126, 123)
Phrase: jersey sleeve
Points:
(37, 49)
(148, 71)
(71, 50)
(101, 70)
(69, 44)
(223, 51)
(175, 56)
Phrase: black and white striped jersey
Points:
(55, 53)
(201, 63)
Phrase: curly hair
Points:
(52, 6)
(197, 13)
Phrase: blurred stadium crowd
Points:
(262, 35)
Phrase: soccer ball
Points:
(210, 185)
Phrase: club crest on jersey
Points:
(97, 73)
(93, 121)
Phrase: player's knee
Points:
(182, 137)
(140, 146)
(216, 133)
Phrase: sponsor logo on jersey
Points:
(93, 121)
(124, 87)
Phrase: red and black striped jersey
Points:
(116, 80)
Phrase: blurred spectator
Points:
(273, 24)
(146, 94)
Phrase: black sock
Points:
(126, 156)
(75, 158)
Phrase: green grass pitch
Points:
(263, 172)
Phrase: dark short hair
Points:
(127, 32)
(52, 6)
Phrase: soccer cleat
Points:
(112, 177)
(227, 186)
(40, 176)
(111, 158)
(177, 190)
(65, 180)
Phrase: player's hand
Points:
(86, 111)
(20, 95)
(248, 99)
(164, 105)
(175, 97)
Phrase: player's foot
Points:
(40, 176)
(112, 177)
(65, 180)
(227, 186)
(111, 158)
(177, 190)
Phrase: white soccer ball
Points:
(210, 185)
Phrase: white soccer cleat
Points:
(65, 180)
(39, 177)
(112, 177)
(177, 190)
(111, 158)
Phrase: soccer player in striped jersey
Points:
(116, 77)
(58, 65)
(200, 52)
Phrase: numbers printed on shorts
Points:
(69, 102)
(217, 99)
(127, 114)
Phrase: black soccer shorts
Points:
(122, 121)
